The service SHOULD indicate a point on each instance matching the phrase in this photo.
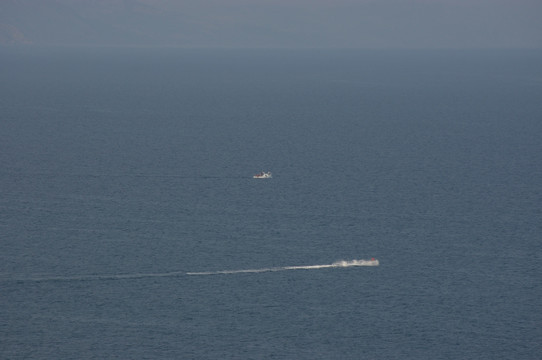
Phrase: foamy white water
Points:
(337, 264)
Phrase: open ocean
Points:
(125, 171)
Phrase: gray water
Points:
(124, 171)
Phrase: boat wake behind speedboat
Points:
(337, 264)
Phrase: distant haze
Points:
(274, 23)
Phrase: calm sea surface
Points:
(124, 170)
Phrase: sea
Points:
(131, 226)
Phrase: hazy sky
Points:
(275, 23)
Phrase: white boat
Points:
(344, 263)
(263, 175)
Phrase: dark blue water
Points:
(122, 170)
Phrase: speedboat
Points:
(263, 175)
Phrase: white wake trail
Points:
(338, 264)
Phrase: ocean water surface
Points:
(126, 172)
